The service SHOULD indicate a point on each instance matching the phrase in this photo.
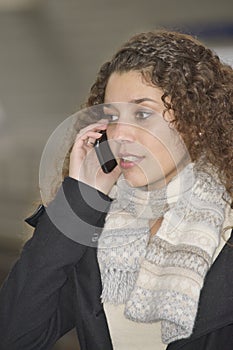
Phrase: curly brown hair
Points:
(197, 86)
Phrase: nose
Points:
(121, 132)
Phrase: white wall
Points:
(225, 53)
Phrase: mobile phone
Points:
(104, 153)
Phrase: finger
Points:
(90, 142)
(94, 127)
(81, 140)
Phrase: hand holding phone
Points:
(104, 154)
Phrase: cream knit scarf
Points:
(159, 278)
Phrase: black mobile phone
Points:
(104, 154)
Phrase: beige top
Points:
(129, 335)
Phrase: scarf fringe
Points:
(118, 285)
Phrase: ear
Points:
(169, 117)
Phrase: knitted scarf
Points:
(159, 277)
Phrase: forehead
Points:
(129, 86)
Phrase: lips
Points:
(128, 160)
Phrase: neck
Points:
(155, 225)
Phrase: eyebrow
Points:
(136, 101)
(109, 105)
(140, 100)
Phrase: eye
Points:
(142, 115)
(111, 117)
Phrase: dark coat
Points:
(55, 285)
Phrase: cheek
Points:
(159, 154)
(111, 138)
(110, 131)
(168, 159)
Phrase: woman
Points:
(167, 105)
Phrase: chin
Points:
(143, 182)
(135, 180)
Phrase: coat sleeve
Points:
(37, 298)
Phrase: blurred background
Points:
(50, 52)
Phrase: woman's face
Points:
(149, 151)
